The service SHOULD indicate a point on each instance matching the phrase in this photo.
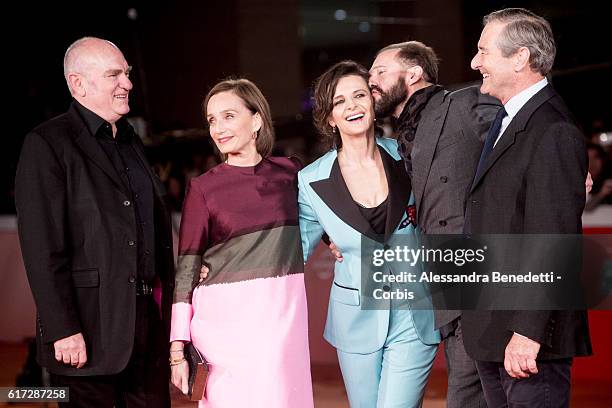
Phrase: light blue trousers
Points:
(394, 376)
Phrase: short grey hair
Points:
(71, 62)
(525, 29)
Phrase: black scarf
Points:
(408, 122)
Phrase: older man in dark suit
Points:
(96, 240)
(524, 357)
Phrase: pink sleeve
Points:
(193, 240)
(181, 321)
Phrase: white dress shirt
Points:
(517, 102)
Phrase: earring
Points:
(333, 129)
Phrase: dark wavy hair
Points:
(324, 90)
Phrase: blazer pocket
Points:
(344, 294)
(450, 140)
(86, 278)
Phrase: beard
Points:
(390, 99)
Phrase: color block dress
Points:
(249, 317)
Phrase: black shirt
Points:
(376, 216)
(133, 173)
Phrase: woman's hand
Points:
(203, 273)
(178, 367)
(180, 376)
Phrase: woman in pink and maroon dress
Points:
(240, 219)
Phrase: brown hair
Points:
(256, 102)
(413, 53)
(324, 90)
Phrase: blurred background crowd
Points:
(179, 49)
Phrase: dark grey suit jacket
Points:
(445, 154)
(532, 183)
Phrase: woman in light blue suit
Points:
(360, 188)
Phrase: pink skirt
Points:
(254, 335)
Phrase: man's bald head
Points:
(98, 77)
(81, 53)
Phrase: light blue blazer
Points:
(325, 206)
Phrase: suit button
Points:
(132, 279)
(444, 179)
(442, 223)
(386, 288)
(131, 242)
(126, 203)
(474, 201)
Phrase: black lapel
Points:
(335, 194)
(93, 150)
(516, 126)
(399, 191)
(425, 141)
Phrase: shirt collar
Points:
(93, 121)
(95, 124)
(520, 99)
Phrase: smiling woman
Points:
(352, 113)
(248, 317)
(360, 188)
(354, 80)
(240, 122)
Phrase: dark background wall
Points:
(179, 49)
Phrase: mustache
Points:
(377, 89)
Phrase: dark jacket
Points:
(532, 183)
(78, 235)
(445, 154)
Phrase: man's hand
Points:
(335, 251)
(203, 273)
(520, 356)
(71, 350)
(588, 184)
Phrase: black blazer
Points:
(533, 183)
(77, 240)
